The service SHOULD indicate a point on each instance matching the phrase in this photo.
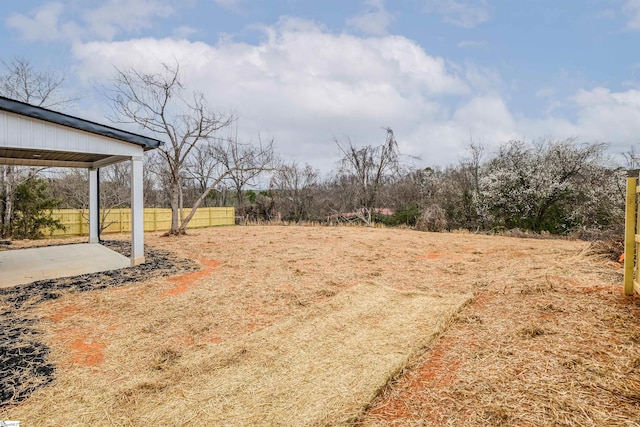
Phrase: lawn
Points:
(342, 325)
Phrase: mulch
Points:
(24, 365)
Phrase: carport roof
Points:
(36, 136)
(23, 109)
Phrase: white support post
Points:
(137, 211)
(94, 215)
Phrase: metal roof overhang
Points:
(51, 156)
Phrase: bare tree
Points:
(292, 184)
(369, 168)
(631, 158)
(245, 163)
(156, 102)
(20, 81)
(242, 156)
(8, 185)
(71, 187)
(223, 162)
(473, 163)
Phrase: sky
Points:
(440, 73)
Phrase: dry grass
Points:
(547, 340)
(320, 367)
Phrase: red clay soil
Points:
(87, 351)
(80, 341)
(186, 280)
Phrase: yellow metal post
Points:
(630, 233)
(637, 240)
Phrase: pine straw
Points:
(547, 340)
(320, 367)
(551, 344)
(24, 357)
(610, 249)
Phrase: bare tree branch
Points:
(156, 102)
(369, 168)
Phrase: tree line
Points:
(554, 186)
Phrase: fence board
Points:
(76, 221)
(631, 239)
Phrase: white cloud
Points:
(609, 116)
(45, 24)
(374, 19)
(128, 16)
(545, 92)
(304, 85)
(483, 79)
(102, 20)
(301, 84)
(183, 32)
(481, 118)
(631, 9)
(600, 115)
(463, 13)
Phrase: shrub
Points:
(33, 209)
(432, 218)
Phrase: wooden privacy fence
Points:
(76, 221)
(632, 236)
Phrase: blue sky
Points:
(439, 72)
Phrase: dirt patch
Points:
(185, 280)
(88, 352)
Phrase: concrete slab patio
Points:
(22, 266)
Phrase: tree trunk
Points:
(175, 207)
(196, 205)
(8, 203)
(224, 197)
(203, 196)
(239, 197)
(2, 196)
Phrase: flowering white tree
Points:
(542, 186)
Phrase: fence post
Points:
(634, 287)
(630, 232)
